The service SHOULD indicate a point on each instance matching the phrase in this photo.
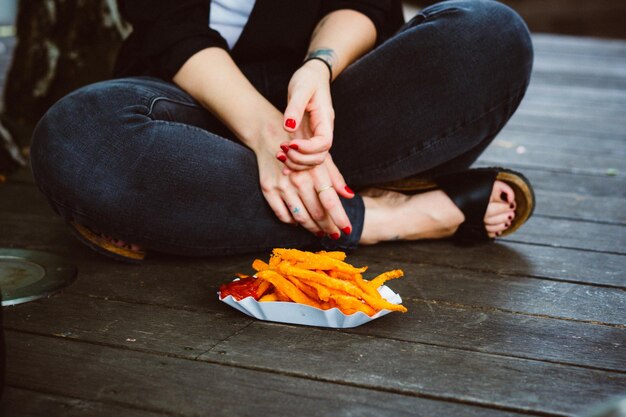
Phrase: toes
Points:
(496, 209)
(504, 218)
(502, 193)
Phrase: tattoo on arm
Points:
(328, 55)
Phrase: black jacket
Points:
(168, 32)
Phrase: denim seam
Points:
(437, 140)
(160, 98)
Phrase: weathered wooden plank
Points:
(186, 334)
(183, 387)
(539, 126)
(612, 186)
(412, 368)
(510, 258)
(578, 45)
(483, 289)
(513, 136)
(607, 67)
(143, 327)
(567, 80)
(25, 403)
(596, 164)
(573, 234)
(589, 116)
(573, 206)
(584, 124)
(578, 95)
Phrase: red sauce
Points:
(245, 287)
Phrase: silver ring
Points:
(328, 187)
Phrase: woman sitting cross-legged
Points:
(229, 123)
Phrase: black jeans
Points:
(139, 159)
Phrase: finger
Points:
(289, 164)
(299, 212)
(330, 201)
(315, 144)
(278, 207)
(309, 196)
(296, 106)
(339, 183)
(306, 159)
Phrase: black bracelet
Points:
(330, 68)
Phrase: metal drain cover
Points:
(27, 275)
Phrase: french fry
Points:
(346, 302)
(259, 265)
(340, 256)
(269, 297)
(384, 277)
(262, 288)
(287, 288)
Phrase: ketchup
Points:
(245, 287)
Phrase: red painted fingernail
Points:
(349, 190)
(290, 123)
(281, 158)
(335, 236)
(284, 148)
(504, 197)
(320, 234)
(294, 146)
(347, 230)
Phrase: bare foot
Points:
(432, 215)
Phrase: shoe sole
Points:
(102, 246)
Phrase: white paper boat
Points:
(294, 313)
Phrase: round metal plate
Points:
(27, 275)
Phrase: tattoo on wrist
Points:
(326, 55)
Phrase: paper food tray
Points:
(294, 313)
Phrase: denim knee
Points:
(504, 27)
(502, 34)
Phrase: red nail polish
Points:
(284, 148)
(348, 189)
(281, 158)
(294, 146)
(346, 230)
(512, 205)
(510, 217)
(320, 234)
(335, 236)
(290, 123)
(507, 224)
(504, 197)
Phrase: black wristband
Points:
(330, 69)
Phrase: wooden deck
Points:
(532, 325)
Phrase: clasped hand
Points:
(300, 181)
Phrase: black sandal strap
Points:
(470, 191)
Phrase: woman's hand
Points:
(309, 117)
(309, 198)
